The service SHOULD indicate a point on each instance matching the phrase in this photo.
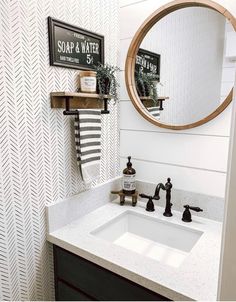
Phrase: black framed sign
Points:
(74, 47)
(148, 62)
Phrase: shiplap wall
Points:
(37, 150)
(229, 66)
(195, 159)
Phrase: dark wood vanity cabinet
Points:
(77, 279)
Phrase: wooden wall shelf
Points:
(163, 98)
(77, 100)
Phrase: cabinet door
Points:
(68, 293)
(98, 282)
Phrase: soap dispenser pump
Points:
(129, 174)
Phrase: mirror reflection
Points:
(182, 70)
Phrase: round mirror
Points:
(179, 72)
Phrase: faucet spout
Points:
(157, 191)
(167, 187)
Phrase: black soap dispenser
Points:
(129, 175)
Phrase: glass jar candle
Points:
(88, 81)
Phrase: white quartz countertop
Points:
(195, 279)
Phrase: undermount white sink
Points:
(160, 240)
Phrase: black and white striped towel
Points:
(88, 143)
(155, 111)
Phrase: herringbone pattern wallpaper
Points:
(37, 153)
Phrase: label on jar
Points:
(129, 182)
(88, 84)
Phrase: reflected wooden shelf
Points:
(148, 101)
(78, 100)
(159, 98)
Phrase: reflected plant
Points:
(146, 85)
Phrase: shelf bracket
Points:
(105, 110)
(68, 111)
(161, 104)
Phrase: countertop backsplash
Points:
(66, 210)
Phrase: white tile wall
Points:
(195, 159)
(183, 178)
(181, 150)
(130, 119)
(229, 66)
(129, 2)
(133, 15)
(231, 48)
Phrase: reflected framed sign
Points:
(148, 62)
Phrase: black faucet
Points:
(187, 214)
(167, 187)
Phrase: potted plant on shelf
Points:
(107, 83)
(146, 85)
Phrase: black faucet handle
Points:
(196, 209)
(145, 196)
(187, 217)
(150, 205)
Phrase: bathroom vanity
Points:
(77, 279)
(124, 253)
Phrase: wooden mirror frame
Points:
(136, 42)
